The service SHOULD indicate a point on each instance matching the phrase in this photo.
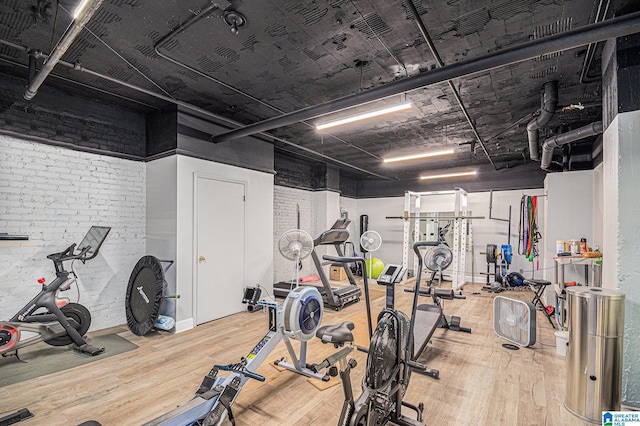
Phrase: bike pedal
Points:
(89, 349)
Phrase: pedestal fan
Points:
(296, 245)
(437, 260)
(370, 241)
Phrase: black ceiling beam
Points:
(434, 52)
(612, 28)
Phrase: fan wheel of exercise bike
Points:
(144, 295)
(80, 315)
(383, 351)
(295, 244)
(438, 258)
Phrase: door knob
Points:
(201, 258)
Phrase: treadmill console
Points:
(391, 274)
(251, 295)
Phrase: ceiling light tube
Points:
(81, 7)
(436, 192)
(370, 114)
(447, 175)
(416, 156)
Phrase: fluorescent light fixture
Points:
(448, 175)
(416, 156)
(436, 192)
(363, 116)
(81, 7)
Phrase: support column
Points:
(621, 174)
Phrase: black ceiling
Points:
(295, 54)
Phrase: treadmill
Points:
(333, 297)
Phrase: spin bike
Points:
(299, 319)
(389, 363)
(63, 322)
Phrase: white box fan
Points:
(514, 320)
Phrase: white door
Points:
(219, 248)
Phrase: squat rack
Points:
(461, 229)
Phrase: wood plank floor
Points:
(481, 383)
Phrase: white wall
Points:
(285, 201)
(258, 228)
(484, 231)
(162, 210)
(55, 195)
(570, 209)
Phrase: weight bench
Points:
(538, 287)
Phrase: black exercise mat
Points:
(44, 359)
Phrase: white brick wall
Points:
(284, 218)
(55, 195)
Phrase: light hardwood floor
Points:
(481, 383)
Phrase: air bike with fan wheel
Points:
(389, 361)
(429, 317)
(333, 297)
(50, 318)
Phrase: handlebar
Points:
(68, 254)
(342, 259)
(241, 369)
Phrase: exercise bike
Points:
(299, 319)
(389, 361)
(62, 323)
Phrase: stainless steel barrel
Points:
(594, 351)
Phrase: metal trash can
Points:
(594, 351)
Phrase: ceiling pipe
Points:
(612, 28)
(549, 105)
(197, 16)
(558, 140)
(601, 13)
(64, 43)
(423, 30)
(78, 67)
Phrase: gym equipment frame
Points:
(334, 297)
(63, 323)
(299, 319)
(389, 361)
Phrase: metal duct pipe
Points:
(549, 104)
(612, 28)
(564, 138)
(63, 44)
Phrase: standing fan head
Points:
(370, 240)
(514, 320)
(438, 258)
(295, 244)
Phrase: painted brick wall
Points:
(54, 195)
(58, 116)
(285, 201)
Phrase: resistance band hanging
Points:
(528, 235)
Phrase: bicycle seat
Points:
(336, 334)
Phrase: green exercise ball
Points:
(375, 267)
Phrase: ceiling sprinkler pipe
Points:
(564, 138)
(549, 104)
(611, 28)
(64, 43)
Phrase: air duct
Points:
(565, 138)
(549, 104)
(65, 42)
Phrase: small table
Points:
(562, 261)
